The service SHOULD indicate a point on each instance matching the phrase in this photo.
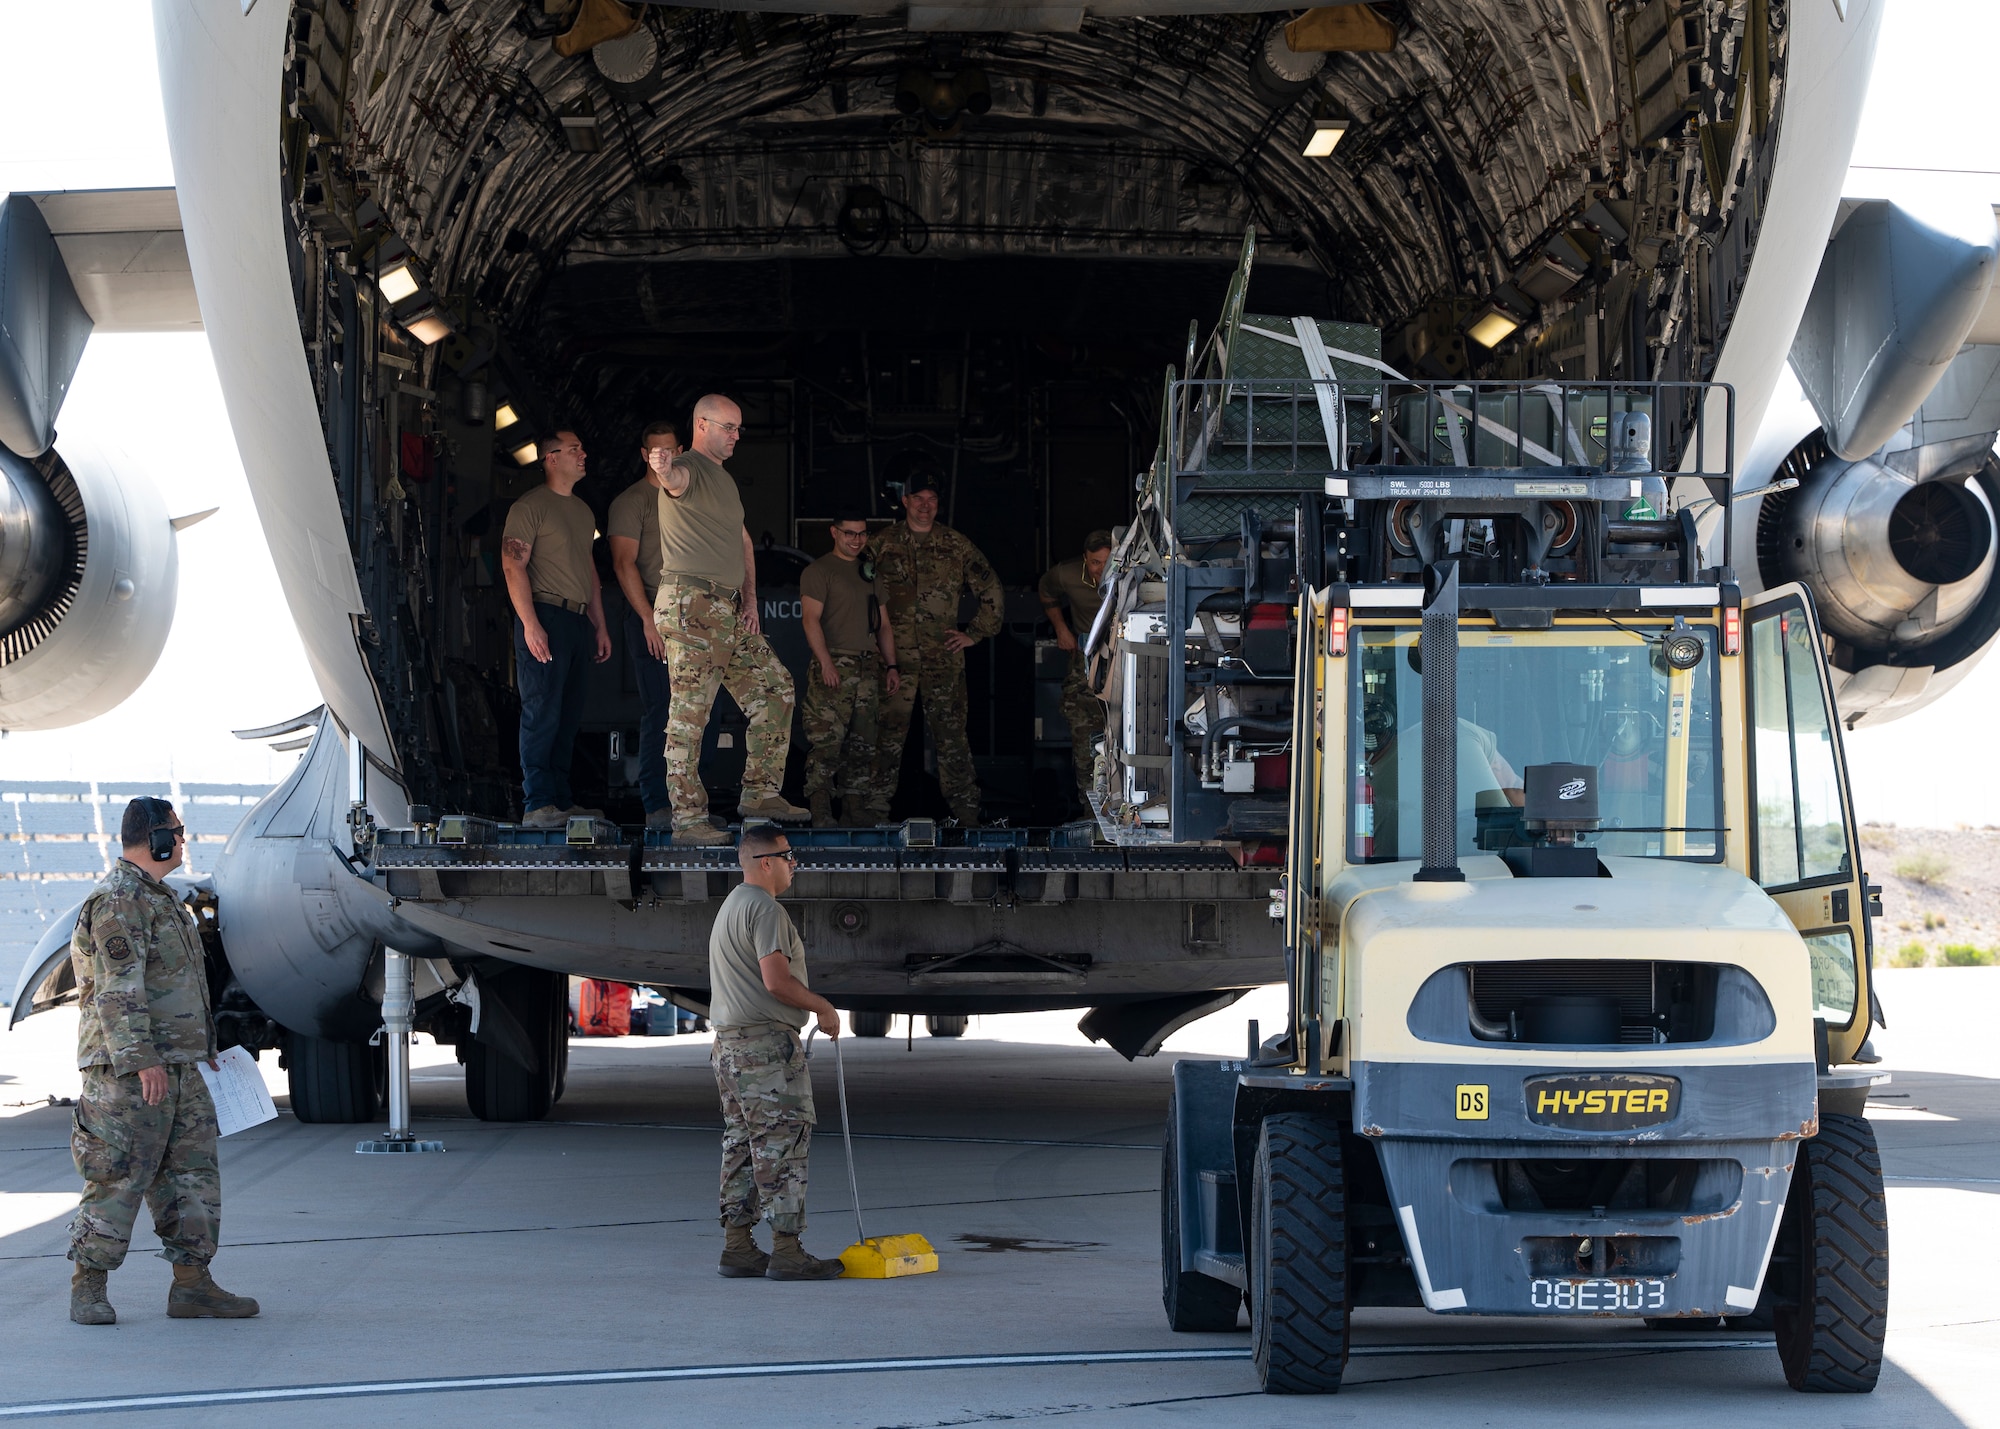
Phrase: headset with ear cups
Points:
(161, 836)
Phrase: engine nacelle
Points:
(1900, 565)
(300, 927)
(88, 578)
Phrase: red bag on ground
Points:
(604, 1009)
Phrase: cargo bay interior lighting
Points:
(524, 454)
(1493, 327)
(427, 325)
(398, 281)
(504, 416)
(1326, 134)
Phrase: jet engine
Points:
(88, 574)
(1891, 522)
(1900, 562)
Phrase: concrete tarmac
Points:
(564, 1272)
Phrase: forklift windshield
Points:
(1596, 694)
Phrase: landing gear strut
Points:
(399, 1006)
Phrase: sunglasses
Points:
(786, 854)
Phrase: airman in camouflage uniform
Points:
(758, 1001)
(706, 612)
(921, 567)
(853, 655)
(145, 1126)
(1076, 584)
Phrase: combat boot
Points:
(196, 1296)
(741, 1260)
(855, 814)
(546, 817)
(822, 811)
(966, 814)
(660, 819)
(792, 1261)
(703, 835)
(774, 806)
(89, 1300)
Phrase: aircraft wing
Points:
(126, 255)
(220, 84)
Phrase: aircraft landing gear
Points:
(331, 1082)
(517, 1072)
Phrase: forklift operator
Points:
(1485, 781)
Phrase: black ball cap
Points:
(919, 480)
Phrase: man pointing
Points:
(706, 611)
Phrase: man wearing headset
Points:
(145, 1125)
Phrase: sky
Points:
(233, 661)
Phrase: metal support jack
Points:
(399, 1005)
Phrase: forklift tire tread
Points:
(1297, 1255)
(1837, 1224)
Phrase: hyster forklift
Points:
(1577, 941)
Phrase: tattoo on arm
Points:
(516, 550)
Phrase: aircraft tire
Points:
(497, 1087)
(331, 1082)
(1297, 1255)
(870, 1024)
(1836, 1231)
(1195, 1303)
(947, 1026)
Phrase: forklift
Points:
(1577, 938)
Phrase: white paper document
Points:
(238, 1090)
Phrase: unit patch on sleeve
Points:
(117, 949)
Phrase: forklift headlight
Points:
(1681, 652)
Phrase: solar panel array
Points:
(59, 836)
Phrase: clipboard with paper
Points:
(238, 1091)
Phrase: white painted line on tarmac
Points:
(369, 1389)
(1949, 1180)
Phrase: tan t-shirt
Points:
(701, 530)
(635, 515)
(1064, 584)
(838, 586)
(751, 927)
(559, 530)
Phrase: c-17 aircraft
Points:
(422, 233)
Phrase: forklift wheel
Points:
(1835, 1236)
(1194, 1302)
(1297, 1255)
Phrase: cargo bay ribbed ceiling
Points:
(1499, 147)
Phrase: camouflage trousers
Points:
(164, 1155)
(840, 727)
(939, 677)
(708, 650)
(1084, 713)
(767, 1122)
